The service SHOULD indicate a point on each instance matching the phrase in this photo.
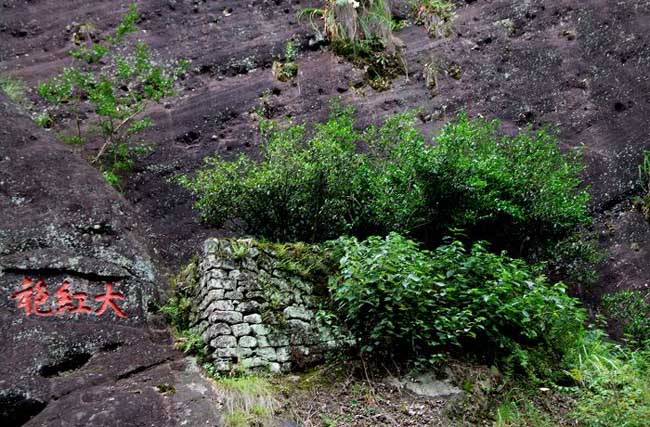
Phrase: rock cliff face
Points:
(79, 344)
(250, 310)
(583, 66)
(580, 66)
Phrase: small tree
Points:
(112, 84)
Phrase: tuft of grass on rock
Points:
(14, 88)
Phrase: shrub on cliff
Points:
(519, 190)
(104, 95)
(314, 186)
(397, 299)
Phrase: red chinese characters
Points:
(108, 300)
(68, 301)
(34, 298)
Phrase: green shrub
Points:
(631, 310)
(304, 189)
(395, 297)
(519, 192)
(519, 189)
(117, 94)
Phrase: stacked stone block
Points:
(252, 312)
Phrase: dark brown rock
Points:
(60, 221)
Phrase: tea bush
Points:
(397, 298)
(306, 188)
(519, 192)
(522, 190)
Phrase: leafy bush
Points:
(316, 186)
(522, 186)
(630, 309)
(117, 93)
(393, 296)
(305, 189)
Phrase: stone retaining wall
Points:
(252, 310)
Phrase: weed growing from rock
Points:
(643, 200)
(362, 32)
(288, 69)
(106, 94)
(435, 15)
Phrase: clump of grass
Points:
(248, 400)
(614, 386)
(362, 32)
(514, 413)
(13, 87)
(435, 15)
(354, 21)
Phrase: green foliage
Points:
(178, 309)
(631, 310)
(249, 400)
(43, 120)
(381, 66)
(573, 258)
(393, 296)
(165, 388)
(361, 31)
(291, 51)
(312, 262)
(303, 190)
(614, 383)
(287, 70)
(314, 186)
(513, 413)
(13, 87)
(435, 15)
(112, 98)
(353, 21)
(91, 54)
(523, 186)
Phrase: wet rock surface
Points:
(65, 235)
